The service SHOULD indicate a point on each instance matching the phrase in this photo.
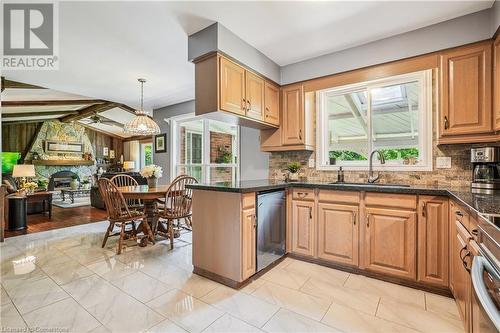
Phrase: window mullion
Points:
(206, 149)
(369, 116)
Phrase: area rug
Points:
(79, 202)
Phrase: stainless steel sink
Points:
(369, 184)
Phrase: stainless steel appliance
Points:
(486, 169)
(485, 277)
(271, 215)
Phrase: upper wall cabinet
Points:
(296, 130)
(496, 82)
(272, 103)
(227, 91)
(466, 94)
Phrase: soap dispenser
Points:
(340, 175)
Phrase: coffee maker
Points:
(486, 170)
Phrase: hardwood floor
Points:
(61, 218)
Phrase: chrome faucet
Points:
(371, 177)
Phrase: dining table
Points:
(149, 197)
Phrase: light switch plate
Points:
(443, 162)
(311, 162)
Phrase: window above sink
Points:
(392, 115)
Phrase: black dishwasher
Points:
(271, 215)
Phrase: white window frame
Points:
(143, 155)
(424, 79)
(174, 139)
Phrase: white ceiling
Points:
(106, 46)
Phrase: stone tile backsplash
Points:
(460, 174)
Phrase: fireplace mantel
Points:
(62, 162)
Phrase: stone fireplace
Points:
(60, 180)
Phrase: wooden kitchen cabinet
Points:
(254, 96)
(227, 91)
(248, 242)
(433, 236)
(303, 227)
(460, 276)
(390, 243)
(496, 83)
(272, 103)
(338, 233)
(232, 87)
(293, 115)
(466, 91)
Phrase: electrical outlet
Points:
(443, 162)
(311, 162)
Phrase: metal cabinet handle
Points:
(424, 209)
(310, 213)
(446, 123)
(302, 194)
(244, 104)
(368, 220)
(474, 232)
(354, 218)
(300, 134)
(249, 105)
(459, 213)
(465, 262)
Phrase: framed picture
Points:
(52, 146)
(111, 153)
(105, 151)
(161, 143)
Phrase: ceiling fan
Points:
(97, 119)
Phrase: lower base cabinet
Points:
(390, 245)
(248, 242)
(338, 233)
(303, 227)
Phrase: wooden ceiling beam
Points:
(37, 114)
(54, 102)
(89, 110)
(101, 131)
(17, 85)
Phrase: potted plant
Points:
(293, 169)
(30, 187)
(74, 184)
(152, 173)
(43, 183)
(85, 184)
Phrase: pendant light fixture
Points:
(142, 123)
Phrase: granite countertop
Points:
(482, 203)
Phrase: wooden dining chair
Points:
(178, 202)
(119, 214)
(126, 180)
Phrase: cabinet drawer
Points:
(303, 194)
(248, 200)
(400, 201)
(339, 196)
(461, 215)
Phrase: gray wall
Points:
(159, 115)
(254, 164)
(466, 29)
(216, 37)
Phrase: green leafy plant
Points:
(74, 177)
(293, 167)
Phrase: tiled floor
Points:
(62, 279)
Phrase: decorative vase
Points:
(293, 176)
(74, 184)
(152, 182)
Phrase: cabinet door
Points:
(433, 240)
(272, 104)
(232, 87)
(293, 115)
(248, 243)
(466, 90)
(459, 274)
(496, 82)
(254, 96)
(391, 237)
(303, 227)
(338, 233)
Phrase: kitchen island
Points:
(398, 233)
